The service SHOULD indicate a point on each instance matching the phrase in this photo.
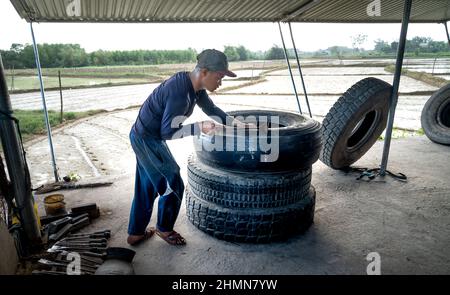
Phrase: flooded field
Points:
(99, 146)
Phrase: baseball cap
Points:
(215, 61)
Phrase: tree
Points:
(275, 53)
(382, 46)
(242, 52)
(358, 40)
(231, 53)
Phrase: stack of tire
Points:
(233, 195)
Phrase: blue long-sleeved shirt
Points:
(172, 99)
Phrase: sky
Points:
(254, 36)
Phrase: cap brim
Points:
(228, 73)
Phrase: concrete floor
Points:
(408, 224)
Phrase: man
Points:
(157, 173)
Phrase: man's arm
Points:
(173, 116)
(209, 108)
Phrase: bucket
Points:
(54, 204)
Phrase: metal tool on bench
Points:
(83, 239)
(82, 244)
(50, 263)
(79, 248)
(68, 227)
(91, 209)
(98, 234)
(107, 253)
(87, 259)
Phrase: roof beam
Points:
(302, 9)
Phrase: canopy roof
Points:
(329, 11)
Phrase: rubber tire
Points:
(435, 117)
(254, 225)
(244, 190)
(369, 97)
(299, 145)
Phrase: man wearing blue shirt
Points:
(159, 119)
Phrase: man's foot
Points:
(172, 237)
(134, 240)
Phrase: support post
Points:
(395, 85)
(446, 33)
(61, 117)
(16, 164)
(300, 70)
(289, 67)
(44, 103)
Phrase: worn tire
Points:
(299, 144)
(251, 225)
(355, 122)
(435, 117)
(245, 190)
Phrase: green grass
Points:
(398, 133)
(33, 122)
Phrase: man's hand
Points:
(207, 127)
(240, 124)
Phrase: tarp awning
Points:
(329, 11)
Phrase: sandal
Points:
(173, 238)
(147, 235)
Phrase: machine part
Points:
(435, 117)
(295, 143)
(119, 253)
(247, 190)
(98, 234)
(91, 208)
(61, 233)
(55, 248)
(81, 239)
(63, 266)
(355, 122)
(80, 217)
(48, 219)
(55, 226)
(251, 225)
(80, 224)
(86, 244)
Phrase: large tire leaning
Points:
(245, 190)
(355, 122)
(251, 226)
(299, 144)
(435, 117)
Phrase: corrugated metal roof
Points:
(349, 11)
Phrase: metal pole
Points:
(395, 85)
(12, 79)
(47, 123)
(300, 70)
(60, 97)
(446, 33)
(289, 67)
(15, 161)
